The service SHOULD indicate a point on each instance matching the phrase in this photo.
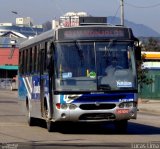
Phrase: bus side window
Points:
(45, 57)
(25, 64)
(24, 61)
(33, 61)
(22, 67)
(27, 61)
(20, 63)
(30, 61)
(37, 64)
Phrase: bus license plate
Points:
(122, 111)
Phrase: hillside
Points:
(139, 30)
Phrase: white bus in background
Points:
(63, 75)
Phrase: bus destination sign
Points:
(93, 33)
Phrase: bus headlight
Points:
(72, 106)
(121, 105)
(127, 104)
(64, 106)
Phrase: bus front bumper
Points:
(78, 115)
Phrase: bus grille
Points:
(97, 106)
(97, 116)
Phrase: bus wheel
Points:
(31, 120)
(121, 126)
(46, 115)
(49, 123)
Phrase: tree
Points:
(47, 26)
(142, 74)
(152, 45)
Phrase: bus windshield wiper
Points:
(104, 87)
(107, 49)
(80, 51)
(79, 48)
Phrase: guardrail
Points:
(8, 83)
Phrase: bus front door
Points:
(42, 81)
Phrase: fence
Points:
(152, 91)
(8, 83)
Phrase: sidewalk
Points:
(149, 106)
(8, 93)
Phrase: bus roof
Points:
(83, 32)
(42, 37)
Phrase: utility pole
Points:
(122, 12)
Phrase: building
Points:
(23, 26)
(71, 19)
(24, 22)
(11, 35)
(9, 53)
(77, 18)
(8, 64)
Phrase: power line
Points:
(122, 12)
(59, 8)
(112, 20)
(136, 6)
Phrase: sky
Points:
(138, 11)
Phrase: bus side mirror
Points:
(138, 53)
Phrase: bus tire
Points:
(121, 126)
(30, 120)
(49, 123)
(49, 126)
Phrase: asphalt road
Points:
(15, 133)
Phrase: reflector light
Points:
(58, 105)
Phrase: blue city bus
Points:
(80, 74)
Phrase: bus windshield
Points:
(94, 65)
